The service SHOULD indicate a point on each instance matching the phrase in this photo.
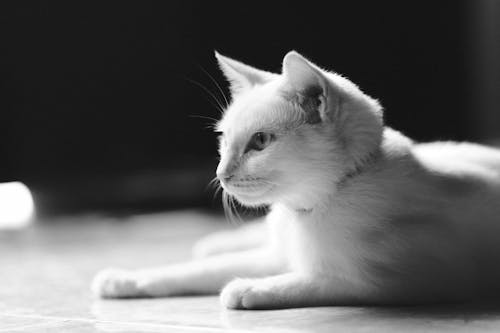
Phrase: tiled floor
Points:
(45, 273)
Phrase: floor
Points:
(45, 271)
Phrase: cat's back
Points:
(460, 159)
(411, 172)
(464, 179)
(447, 175)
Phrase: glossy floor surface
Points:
(45, 271)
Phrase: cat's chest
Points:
(318, 241)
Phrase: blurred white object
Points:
(16, 205)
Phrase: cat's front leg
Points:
(280, 291)
(249, 236)
(204, 276)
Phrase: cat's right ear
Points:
(307, 85)
(241, 77)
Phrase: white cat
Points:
(360, 214)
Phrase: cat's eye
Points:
(259, 141)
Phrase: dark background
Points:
(98, 109)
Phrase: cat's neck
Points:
(349, 175)
(319, 199)
(359, 168)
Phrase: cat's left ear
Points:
(308, 86)
(241, 77)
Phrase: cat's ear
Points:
(309, 87)
(241, 77)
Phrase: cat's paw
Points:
(116, 283)
(246, 294)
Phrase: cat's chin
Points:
(253, 199)
(250, 201)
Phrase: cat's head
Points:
(291, 137)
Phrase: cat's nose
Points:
(225, 177)
(227, 168)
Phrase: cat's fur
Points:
(360, 214)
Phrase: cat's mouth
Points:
(248, 188)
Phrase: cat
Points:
(359, 213)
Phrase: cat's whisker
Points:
(217, 191)
(219, 105)
(216, 84)
(214, 181)
(213, 184)
(230, 208)
(210, 126)
(203, 117)
(227, 206)
(234, 204)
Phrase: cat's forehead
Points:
(258, 110)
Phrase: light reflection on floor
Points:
(45, 271)
(16, 205)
